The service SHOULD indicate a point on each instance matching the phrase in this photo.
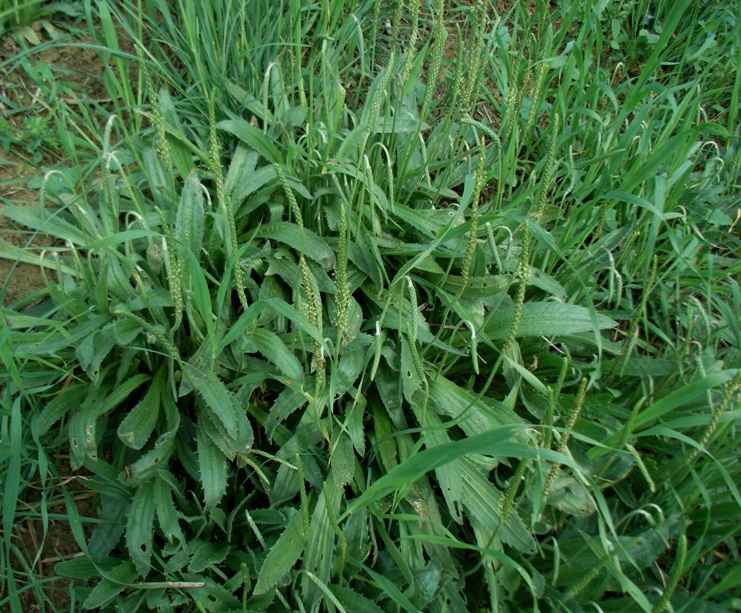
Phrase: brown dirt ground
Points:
(75, 69)
(57, 545)
(14, 174)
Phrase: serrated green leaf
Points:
(269, 344)
(289, 271)
(103, 342)
(546, 319)
(158, 180)
(342, 457)
(385, 443)
(215, 394)
(138, 425)
(496, 442)
(46, 222)
(252, 136)
(363, 253)
(319, 552)
(107, 533)
(125, 331)
(253, 182)
(353, 359)
(84, 351)
(478, 287)
(241, 169)
(140, 526)
(290, 234)
(60, 405)
(399, 125)
(482, 503)
(213, 469)
(153, 460)
(428, 222)
(190, 216)
(83, 427)
(212, 596)
(288, 401)
(12, 464)
(86, 567)
(545, 282)
(391, 590)
(239, 441)
(449, 474)
(353, 601)
(479, 414)
(249, 102)
(118, 238)
(282, 556)
(107, 589)
(355, 423)
(571, 496)
(167, 515)
(201, 295)
(122, 392)
(410, 380)
(207, 555)
(679, 397)
(179, 145)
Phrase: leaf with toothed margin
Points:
(230, 443)
(167, 515)
(282, 556)
(153, 460)
(213, 467)
(116, 581)
(547, 319)
(137, 426)
(215, 394)
(274, 349)
(139, 527)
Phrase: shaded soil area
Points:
(44, 546)
(40, 85)
(16, 278)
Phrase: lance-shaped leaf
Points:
(282, 556)
(190, 217)
(547, 319)
(215, 395)
(313, 245)
(213, 468)
(139, 527)
(137, 426)
(269, 344)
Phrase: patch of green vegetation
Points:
(17, 18)
(32, 139)
(344, 321)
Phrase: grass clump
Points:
(342, 324)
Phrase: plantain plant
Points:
(348, 325)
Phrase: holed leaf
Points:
(139, 528)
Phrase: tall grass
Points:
(348, 325)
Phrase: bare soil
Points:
(35, 82)
(53, 545)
